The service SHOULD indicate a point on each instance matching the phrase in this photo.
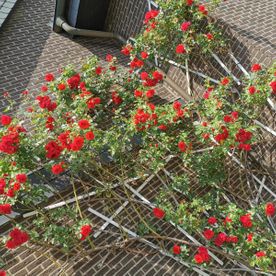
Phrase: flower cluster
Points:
(17, 238)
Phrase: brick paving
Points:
(29, 49)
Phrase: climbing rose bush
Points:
(104, 116)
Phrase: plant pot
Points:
(88, 14)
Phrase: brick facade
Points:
(29, 49)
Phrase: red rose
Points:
(189, 2)
(144, 55)
(232, 239)
(202, 9)
(225, 81)
(176, 105)
(85, 231)
(44, 88)
(49, 77)
(260, 254)
(182, 146)
(273, 86)
(61, 86)
(150, 93)
(157, 76)
(235, 115)
(57, 168)
(180, 49)
(251, 90)
(17, 237)
(138, 94)
(208, 234)
(249, 237)
(2, 273)
(89, 135)
(176, 249)
(162, 127)
(227, 119)
(21, 178)
(209, 36)
(16, 186)
(84, 124)
(5, 120)
(256, 67)
(77, 143)
(5, 209)
(270, 209)
(220, 239)
(245, 147)
(246, 221)
(185, 26)
(198, 259)
(159, 213)
(98, 70)
(109, 58)
(144, 76)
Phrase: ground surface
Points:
(29, 49)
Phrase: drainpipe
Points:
(61, 24)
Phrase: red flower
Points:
(98, 70)
(256, 67)
(61, 86)
(198, 259)
(53, 150)
(227, 220)
(89, 135)
(84, 124)
(74, 81)
(5, 209)
(180, 49)
(243, 136)
(157, 76)
(138, 94)
(85, 231)
(44, 88)
(189, 2)
(176, 105)
(220, 239)
(2, 273)
(17, 238)
(182, 146)
(227, 119)
(202, 255)
(260, 254)
(77, 143)
(158, 213)
(5, 120)
(209, 36)
(273, 86)
(208, 234)
(251, 90)
(232, 239)
(185, 26)
(162, 127)
(225, 81)
(21, 178)
(16, 186)
(249, 237)
(176, 249)
(109, 58)
(202, 9)
(49, 77)
(246, 147)
(144, 55)
(246, 221)
(144, 76)
(270, 209)
(150, 93)
(235, 115)
(57, 168)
